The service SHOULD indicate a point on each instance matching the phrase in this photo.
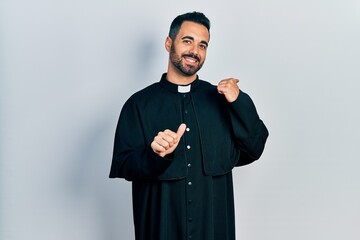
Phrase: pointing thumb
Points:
(181, 130)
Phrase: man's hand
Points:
(229, 88)
(165, 142)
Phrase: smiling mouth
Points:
(191, 58)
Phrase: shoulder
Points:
(206, 85)
(137, 99)
(147, 91)
(208, 90)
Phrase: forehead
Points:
(195, 30)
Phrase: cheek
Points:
(203, 56)
(179, 49)
(184, 49)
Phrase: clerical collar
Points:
(184, 89)
(179, 88)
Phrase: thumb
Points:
(181, 130)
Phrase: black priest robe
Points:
(187, 194)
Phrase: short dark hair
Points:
(196, 17)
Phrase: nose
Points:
(194, 50)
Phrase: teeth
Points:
(191, 60)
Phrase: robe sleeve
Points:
(249, 130)
(133, 158)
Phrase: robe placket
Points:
(195, 177)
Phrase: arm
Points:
(249, 131)
(133, 158)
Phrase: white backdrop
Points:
(67, 67)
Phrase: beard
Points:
(177, 61)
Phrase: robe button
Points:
(188, 147)
(189, 165)
(187, 129)
(190, 219)
(189, 183)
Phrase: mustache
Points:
(192, 56)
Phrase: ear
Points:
(168, 43)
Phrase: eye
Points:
(186, 41)
(203, 46)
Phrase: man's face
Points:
(188, 50)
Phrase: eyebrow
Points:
(192, 38)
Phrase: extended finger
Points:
(181, 130)
(235, 80)
(229, 81)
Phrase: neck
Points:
(176, 77)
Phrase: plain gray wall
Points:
(67, 67)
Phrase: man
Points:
(179, 139)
